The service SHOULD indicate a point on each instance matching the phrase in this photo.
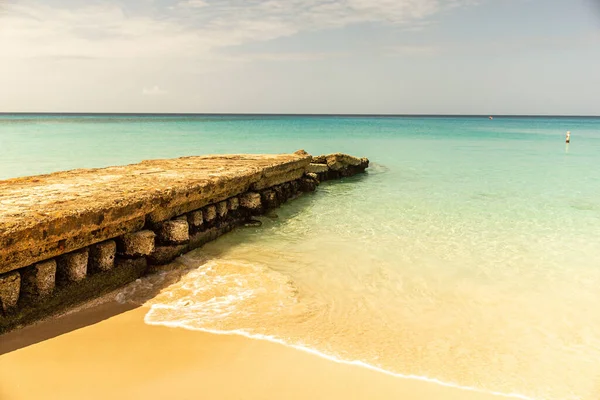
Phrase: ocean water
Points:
(468, 255)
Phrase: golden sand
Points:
(95, 354)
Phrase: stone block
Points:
(222, 209)
(195, 219)
(233, 203)
(39, 280)
(269, 199)
(287, 190)
(210, 213)
(317, 168)
(102, 256)
(308, 184)
(137, 244)
(72, 267)
(295, 187)
(10, 288)
(314, 177)
(280, 193)
(174, 232)
(251, 201)
(319, 159)
(165, 254)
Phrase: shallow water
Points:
(468, 254)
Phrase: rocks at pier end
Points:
(10, 287)
(338, 165)
(317, 168)
(72, 267)
(102, 256)
(308, 184)
(39, 280)
(137, 244)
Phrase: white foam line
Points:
(357, 363)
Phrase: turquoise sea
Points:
(469, 254)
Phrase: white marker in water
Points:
(568, 136)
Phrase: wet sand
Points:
(93, 355)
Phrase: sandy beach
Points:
(92, 355)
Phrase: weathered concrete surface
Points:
(174, 232)
(39, 280)
(339, 161)
(102, 256)
(233, 203)
(210, 213)
(195, 219)
(44, 216)
(137, 244)
(72, 267)
(251, 201)
(317, 168)
(222, 209)
(10, 287)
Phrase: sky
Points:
(301, 56)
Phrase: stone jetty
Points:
(71, 236)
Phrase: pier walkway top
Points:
(43, 216)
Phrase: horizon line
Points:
(298, 114)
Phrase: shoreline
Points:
(104, 335)
(70, 236)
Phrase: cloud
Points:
(193, 29)
(406, 50)
(97, 55)
(290, 56)
(192, 4)
(153, 91)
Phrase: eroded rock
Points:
(210, 213)
(195, 219)
(233, 203)
(269, 199)
(137, 244)
(102, 256)
(10, 287)
(251, 201)
(222, 209)
(174, 232)
(73, 267)
(39, 280)
(317, 168)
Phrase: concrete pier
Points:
(71, 236)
